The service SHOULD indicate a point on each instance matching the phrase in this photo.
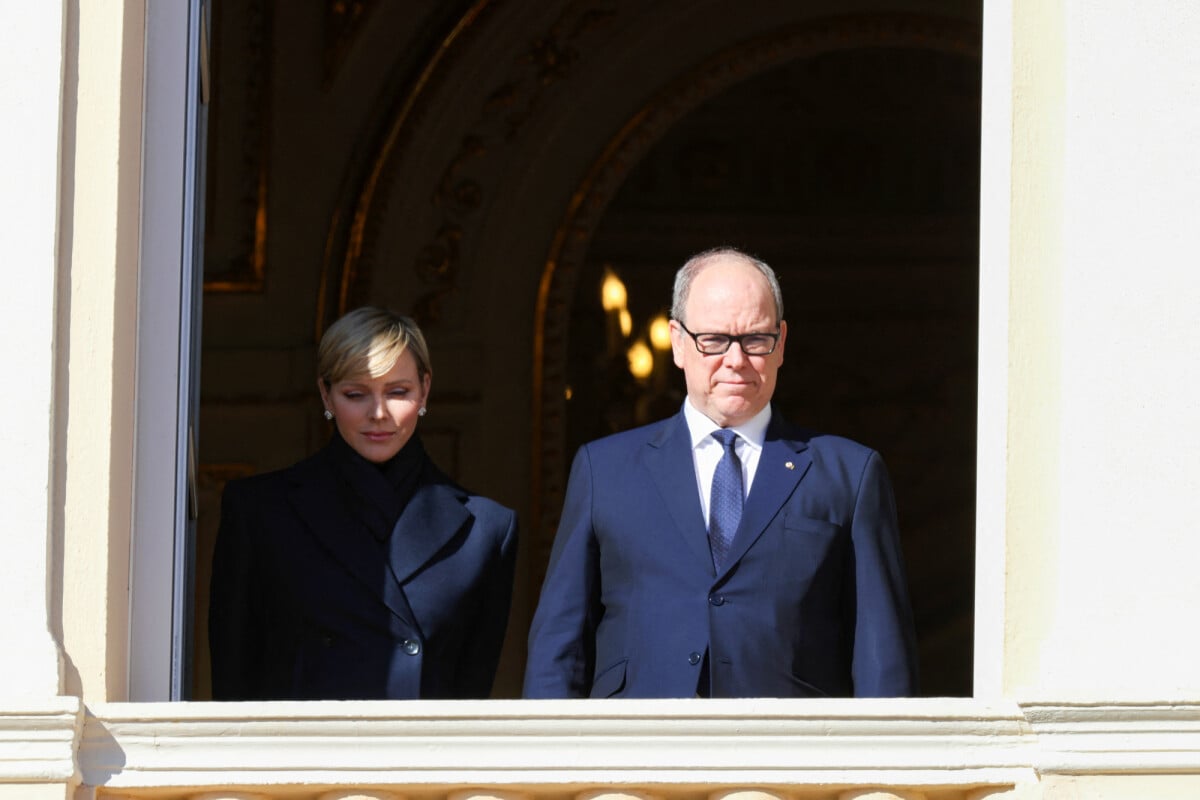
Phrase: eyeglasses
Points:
(715, 344)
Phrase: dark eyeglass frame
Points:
(729, 339)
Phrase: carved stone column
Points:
(618, 795)
(479, 794)
(748, 794)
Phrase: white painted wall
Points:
(31, 61)
(1129, 460)
(1089, 351)
(1089, 368)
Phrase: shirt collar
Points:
(754, 430)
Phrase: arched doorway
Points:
(473, 176)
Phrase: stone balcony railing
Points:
(920, 749)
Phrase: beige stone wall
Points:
(97, 340)
(1088, 381)
(1120, 787)
(1089, 343)
(29, 161)
(34, 791)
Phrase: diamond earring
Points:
(422, 412)
(328, 414)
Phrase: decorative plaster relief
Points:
(546, 61)
(538, 65)
(235, 247)
(343, 21)
(38, 740)
(647, 750)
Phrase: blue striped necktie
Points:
(725, 504)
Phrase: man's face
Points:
(728, 296)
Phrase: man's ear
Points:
(679, 340)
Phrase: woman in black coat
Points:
(362, 572)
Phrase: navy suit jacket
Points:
(812, 602)
(307, 604)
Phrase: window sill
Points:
(667, 747)
(559, 743)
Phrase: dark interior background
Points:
(481, 165)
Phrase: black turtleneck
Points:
(377, 493)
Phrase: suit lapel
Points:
(432, 517)
(669, 461)
(781, 467)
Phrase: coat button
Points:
(694, 659)
(411, 646)
(717, 599)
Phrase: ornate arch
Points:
(603, 179)
(539, 58)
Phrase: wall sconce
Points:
(618, 322)
(612, 292)
(641, 360)
(660, 333)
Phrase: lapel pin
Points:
(790, 465)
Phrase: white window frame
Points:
(169, 285)
(171, 282)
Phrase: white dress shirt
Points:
(707, 451)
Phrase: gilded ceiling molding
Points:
(631, 142)
(249, 105)
(344, 241)
(343, 21)
(547, 60)
(543, 62)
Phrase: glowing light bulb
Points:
(626, 322)
(641, 360)
(612, 292)
(660, 333)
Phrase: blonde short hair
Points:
(369, 341)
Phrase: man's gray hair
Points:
(696, 264)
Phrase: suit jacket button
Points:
(694, 659)
(411, 646)
(717, 599)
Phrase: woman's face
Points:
(377, 416)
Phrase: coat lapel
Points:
(781, 467)
(322, 509)
(669, 460)
(433, 516)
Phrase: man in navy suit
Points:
(767, 565)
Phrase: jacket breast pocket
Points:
(797, 525)
(811, 552)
